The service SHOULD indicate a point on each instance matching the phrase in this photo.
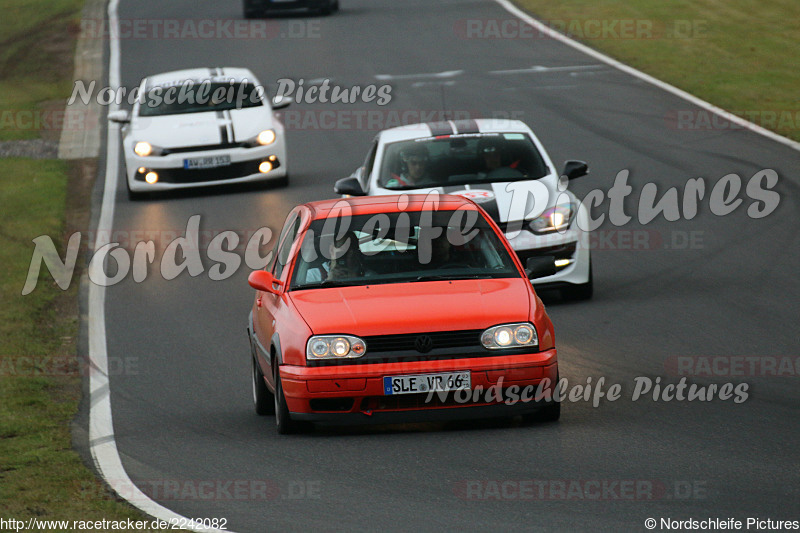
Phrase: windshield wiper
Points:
(445, 277)
(328, 283)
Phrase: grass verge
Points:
(40, 378)
(37, 39)
(736, 54)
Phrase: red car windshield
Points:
(400, 248)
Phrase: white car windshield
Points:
(459, 160)
(198, 98)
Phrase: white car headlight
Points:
(265, 137)
(510, 336)
(557, 218)
(334, 347)
(144, 149)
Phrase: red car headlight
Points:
(509, 336)
(335, 347)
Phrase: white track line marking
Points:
(727, 115)
(538, 68)
(429, 75)
(102, 444)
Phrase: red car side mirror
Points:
(264, 281)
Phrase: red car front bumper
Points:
(355, 393)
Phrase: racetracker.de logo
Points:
(582, 29)
(206, 490)
(578, 490)
(204, 29)
(780, 120)
(327, 120)
(732, 366)
(48, 120)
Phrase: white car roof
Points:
(449, 127)
(198, 75)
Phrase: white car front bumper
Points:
(572, 245)
(243, 167)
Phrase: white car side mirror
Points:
(120, 117)
(279, 102)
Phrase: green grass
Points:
(32, 194)
(34, 38)
(40, 383)
(40, 474)
(742, 56)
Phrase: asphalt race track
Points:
(719, 286)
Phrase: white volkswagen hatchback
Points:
(201, 127)
(500, 165)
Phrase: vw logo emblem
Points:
(423, 344)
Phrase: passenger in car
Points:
(491, 153)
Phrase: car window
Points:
(286, 239)
(460, 160)
(400, 248)
(368, 162)
(199, 97)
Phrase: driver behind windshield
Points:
(414, 167)
(345, 261)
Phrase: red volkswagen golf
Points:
(398, 308)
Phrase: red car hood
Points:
(414, 307)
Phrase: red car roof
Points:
(367, 205)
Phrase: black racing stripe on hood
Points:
(223, 130)
(440, 128)
(466, 126)
(489, 205)
(229, 118)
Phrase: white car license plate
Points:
(207, 162)
(419, 383)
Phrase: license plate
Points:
(420, 383)
(207, 162)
